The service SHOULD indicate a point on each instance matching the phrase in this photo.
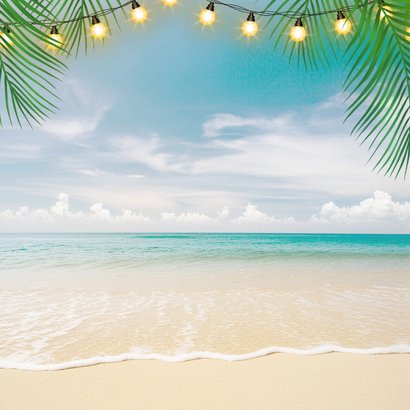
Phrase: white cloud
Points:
(252, 215)
(379, 207)
(379, 213)
(98, 211)
(308, 153)
(62, 206)
(91, 110)
(224, 213)
(72, 127)
(20, 151)
(146, 151)
(92, 172)
(218, 123)
(60, 214)
(186, 217)
(96, 172)
(130, 216)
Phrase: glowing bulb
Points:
(98, 30)
(407, 31)
(207, 16)
(5, 38)
(138, 13)
(169, 3)
(298, 32)
(342, 25)
(385, 11)
(250, 27)
(56, 39)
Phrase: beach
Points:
(204, 321)
(278, 381)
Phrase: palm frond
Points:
(76, 33)
(322, 46)
(378, 84)
(27, 71)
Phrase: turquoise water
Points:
(18, 250)
(72, 298)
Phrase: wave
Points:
(164, 236)
(320, 349)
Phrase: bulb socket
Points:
(54, 30)
(6, 29)
(95, 20)
(135, 4)
(299, 22)
(340, 15)
(210, 6)
(251, 17)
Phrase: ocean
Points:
(69, 300)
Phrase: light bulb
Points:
(207, 16)
(56, 39)
(408, 36)
(169, 3)
(98, 30)
(298, 32)
(6, 38)
(138, 13)
(250, 26)
(385, 11)
(342, 25)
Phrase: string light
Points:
(56, 39)
(98, 30)
(250, 27)
(5, 38)
(169, 3)
(408, 32)
(138, 13)
(298, 32)
(207, 16)
(342, 25)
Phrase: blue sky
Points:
(175, 127)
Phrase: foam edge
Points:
(92, 361)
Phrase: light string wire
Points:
(290, 14)
(241, 9)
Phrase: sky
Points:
(172, 127)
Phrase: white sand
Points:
(280, 381)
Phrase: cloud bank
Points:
(370, 215)
(377, 208)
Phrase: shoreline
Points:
(205, 355)
(282, 381)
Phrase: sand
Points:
(279, 381)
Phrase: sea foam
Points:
(315, 350)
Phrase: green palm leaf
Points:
(76, 32)
(322, 46)
(378, 83)
(27, 71)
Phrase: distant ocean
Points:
(78, 299)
